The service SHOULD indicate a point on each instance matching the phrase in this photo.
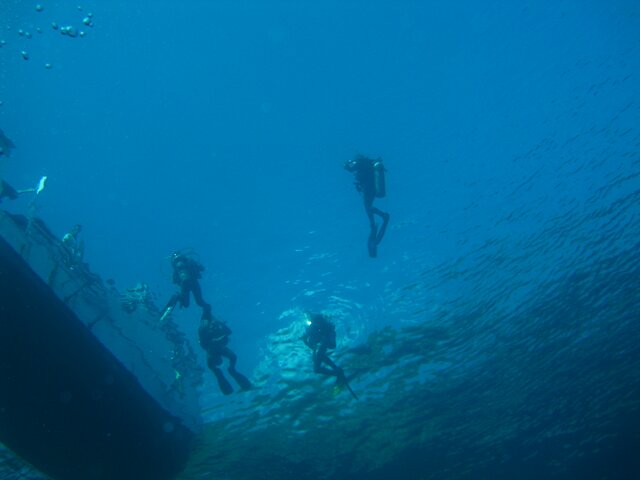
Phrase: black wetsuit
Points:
(320, 336)
(364, 170)
(214, 336)
(186, 273)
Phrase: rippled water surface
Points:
(497, 334)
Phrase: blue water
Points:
(510, 135)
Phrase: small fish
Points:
(6, 145)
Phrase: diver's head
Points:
(308, 317)
(351, 165)
(175, 256)
(317, 318)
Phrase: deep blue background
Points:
(222, 126)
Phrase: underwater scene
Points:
(331, 240)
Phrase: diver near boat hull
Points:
(214, 337)
(186, 274)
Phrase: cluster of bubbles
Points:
(66, 30)
(72, 31)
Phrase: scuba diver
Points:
(214, 336)
(320, 336)
(186, 273)
(369, 175)
(74, 248)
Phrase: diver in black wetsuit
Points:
(186, 273)
(214, 336)
(320, 336)
(370, 182)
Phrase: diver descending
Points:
(369, 176)
(320, 336)
(186, 273)
(214, 336)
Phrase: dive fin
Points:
(223, 383)
(167, 312)
(343, 383)
(372, 245)
(351, 391)
(241, 380)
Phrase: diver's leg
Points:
(184, 294)
(337, 371)
(385, 222)
(369, 208)
(233, 358)
(320, 357)
(325, 371)
(372, 241)
(223, 383)
(240, 379)
(213, 361)
(335, 368)
(197, 295)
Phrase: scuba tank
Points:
(378, 178)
